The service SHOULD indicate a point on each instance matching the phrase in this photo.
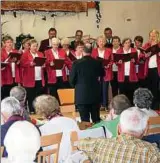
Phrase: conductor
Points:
(84, 76)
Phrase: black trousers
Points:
(60, 84)
(85, 110)
(127, 88)
(5, 90)
(153, 81)
(114, 84)
(104, 93)
(32, 93)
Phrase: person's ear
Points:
(112, 111)
(119, 131)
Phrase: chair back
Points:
(154, 125)
(66, 96)
(48, 140)
(2, 149)
(67, 107)
(89, 133)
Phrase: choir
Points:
(127, 67)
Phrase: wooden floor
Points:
(35, 116)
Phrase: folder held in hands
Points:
(4, 64)
(58, 64)
(39, 61)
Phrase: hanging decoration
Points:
(98, 13)
(67, 6)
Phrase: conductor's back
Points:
(84, 76)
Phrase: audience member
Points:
(22, 143)
(143, 99)
(118, 104)
(48, 107)
(128, 146)
(20, 94)
(10, 113)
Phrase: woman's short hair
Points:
(46, 105)
(25, 40)
(101, 38)
(33, 41)
(156, 32)
(119, 103)
(65, 41)
(143, 98)
(22, 141)
(116, 38)
(19, 93)
(6, 38)
(79, 43)
(139, 38)
(126, 39)
(11, 106)
(55, 40)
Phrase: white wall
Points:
(144, 16)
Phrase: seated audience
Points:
(22, 143)
(20, 94)
(143, 99)
(117, 105)
(10, 113)
(48, 107)
(127, 146)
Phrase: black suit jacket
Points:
(84, 77)
(44, 45)
(109, 44)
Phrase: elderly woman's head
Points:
(19, 93)
(10, 106)
(143, 98)
(22, 142)
(47, 106)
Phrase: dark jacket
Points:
(44, 45)
(84, 76)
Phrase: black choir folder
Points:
(4, 64)
(72, 57)
(58, 64)
(153, 49)
(105, 62)
(39, 61)
(15, 55)
(125, 57)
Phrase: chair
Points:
(154, 125)
(89, 133)
(2, 149)
(48, 140)
(66, 97)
